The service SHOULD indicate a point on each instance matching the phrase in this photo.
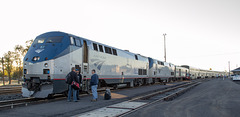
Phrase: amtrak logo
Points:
(97, 63)
(39, 50)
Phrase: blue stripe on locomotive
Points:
(150, 62)
(55, 50)
(49, 50)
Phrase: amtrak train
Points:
(53, 54)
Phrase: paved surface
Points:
(64, 108)
(215, 98)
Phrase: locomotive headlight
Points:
(45, 65)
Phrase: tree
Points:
(19, 53)
(9, 64)
(28, 45)
(2, 62)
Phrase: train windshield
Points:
(54, 39)
(57, 39)
(39, 40)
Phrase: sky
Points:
(200, 33)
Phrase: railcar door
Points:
(85, 69)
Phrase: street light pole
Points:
(165, 56)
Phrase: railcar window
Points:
(100, 48)
(162, 63)
(114, 52)
(108, 50)
(72, 40)
(140, 71)
(144, 72)
(136, 57)
(54, 39)
(78, 42)
(95, 46)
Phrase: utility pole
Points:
(165, 56)
(3, 71)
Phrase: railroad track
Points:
(29, 101)
(164, 95)
(139, 102)
(10, 90)
(9, 104)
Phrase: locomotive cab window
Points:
(95, 46)
(39, 40)
(72, 40)
(54, 39)
(78, 42)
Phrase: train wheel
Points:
(65, 93)
(153, 81)
(50, 96)
(140, 82)
(130, 84)
(135, 83)
(145, 81)
(115, 87)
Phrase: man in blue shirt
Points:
(94, 85)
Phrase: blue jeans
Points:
(94, 91)
(70, 90)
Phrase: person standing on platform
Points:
(73, 77)
(79, 78)
(94, 85)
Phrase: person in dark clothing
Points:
(94, 85)
(79, 81)
(73, 77)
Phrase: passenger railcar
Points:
(182, 73)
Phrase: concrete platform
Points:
(112, 110)
(215, 98)
(63, 108)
